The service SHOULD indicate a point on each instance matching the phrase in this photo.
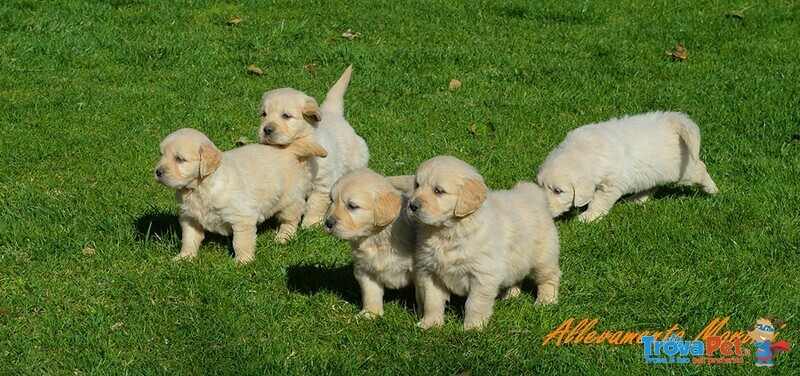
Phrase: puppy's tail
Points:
(334, 100)
(688, 131)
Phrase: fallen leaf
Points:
(679, 53)
(244, 140)
(481, 129)
(311, 69)
(88, 251)
(454, 84)
(5, 311)
(235, 21)
(255, 70)
(737, 14)
(116, 326)
(350, 34)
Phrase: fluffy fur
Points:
(477, 243)
(230, 193)
(368, 212)
(289, 115)
(597, 164)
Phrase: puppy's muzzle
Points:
(329, 223)
(159, 172)
(414, 206)
(268, 130)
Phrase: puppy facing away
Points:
(597, 164)
(231, 192)
(476, 242)
(367, 211)
(289, 115)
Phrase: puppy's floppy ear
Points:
(210, 157)
(311, 112)
(387, 207)
(404, 183)
(472, 195)
(584, 192)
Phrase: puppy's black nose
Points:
(159, 172)
(413, 206)
(268, 130)
(329, 223)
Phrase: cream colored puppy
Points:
(289, 115)
(477, 243)
(597, 164)
(231, 192)
(366, 210)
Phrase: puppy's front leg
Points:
(436, 295)
(244, 242)
(316, 206)
(601, 203)
(289, 220)
(371, 297)
(479, 307)
(191, 238)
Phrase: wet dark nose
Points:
(268, 130)
(413, 206)
(329, 223)
(159, 172)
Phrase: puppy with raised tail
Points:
(597, 164)
(368, 212)
(231, 192)
(477, 242)
(289, 115)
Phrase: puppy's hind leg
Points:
(289, 219)
(547, 281)
(512, 292)
(643, 196)
(244, 242)
(316, 206)
(696, 173)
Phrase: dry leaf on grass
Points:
(235, 21)
(88, 251)
(116, 326)
(255, 70)
(350, 34)
(679, 53)
(454, 84)
(737, 14)
(5, 311)
(311, 69)
(481, 129)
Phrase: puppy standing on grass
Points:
(599, 163)
(477, 243)
(367, 211)
(289, 115)
(231, 192)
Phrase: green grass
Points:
(89, 88)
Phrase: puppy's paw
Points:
(546, 300)
(184, 256)
(476, 325)
(283, 238)
(243, 259)
(427, 324)
(712, 190)
(511, 292)
(590, 216)
(369, 315)
(311, 221)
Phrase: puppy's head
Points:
(363, 203)
(187, 156)
(566, 183)
(445, 189)
(286, 115)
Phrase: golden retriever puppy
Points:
(366, 210)
(597, 164)
(231, 192)
(477, 242)
(289, 115)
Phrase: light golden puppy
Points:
(366, 211)
(289, 115)
(597, 164)
(231, 192)
(477, 243)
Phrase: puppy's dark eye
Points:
(438, 190)
(557, 191)
(352, 206)
(286, 116)
(179, 159)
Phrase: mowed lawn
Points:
(88, 89)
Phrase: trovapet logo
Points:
(763, 335)
(675, 350)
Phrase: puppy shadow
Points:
(309, 280)
(675, 191)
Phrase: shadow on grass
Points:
(154, 226)
(339, 280)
